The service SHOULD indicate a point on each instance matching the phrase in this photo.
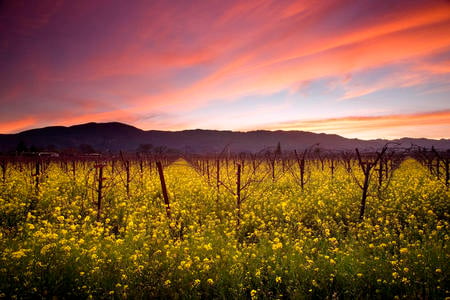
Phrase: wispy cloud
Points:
(364, 126)
(17, 125)
(422, 73)
(159, 57)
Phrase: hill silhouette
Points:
(114, 137)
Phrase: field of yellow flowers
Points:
(288, 243)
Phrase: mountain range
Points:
(114, 137)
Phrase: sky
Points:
(361, 69)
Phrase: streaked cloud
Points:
(66, 62)
(396, 125)
(17, 125)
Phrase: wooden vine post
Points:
(99, 189)
(127, 179)
(4, 165)
(272, 163)
(238, 193)
(37, 175)
(141, 169)
(74, 174)
(447, 169)
(163, 187)
(380, 174)
(207, 170)
(301, 166)
(332, 167)
(217, 178)
(366, 167)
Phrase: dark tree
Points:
(21, 147)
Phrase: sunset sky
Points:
(362, 69)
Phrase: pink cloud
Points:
(366, 54)
(407, 77)
(188, 53)
(428, 124)
(17, 125)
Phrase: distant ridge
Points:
(114, 137)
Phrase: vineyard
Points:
(305, 224)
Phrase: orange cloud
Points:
(367, 54)
(406, 78)
(278, 64)
(437, 68)
(107, 116)
(395, 22)
(18, 125)
(376, 126)
(356, 57)
(180, 56)
(66, 119)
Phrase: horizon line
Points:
(227, 130)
